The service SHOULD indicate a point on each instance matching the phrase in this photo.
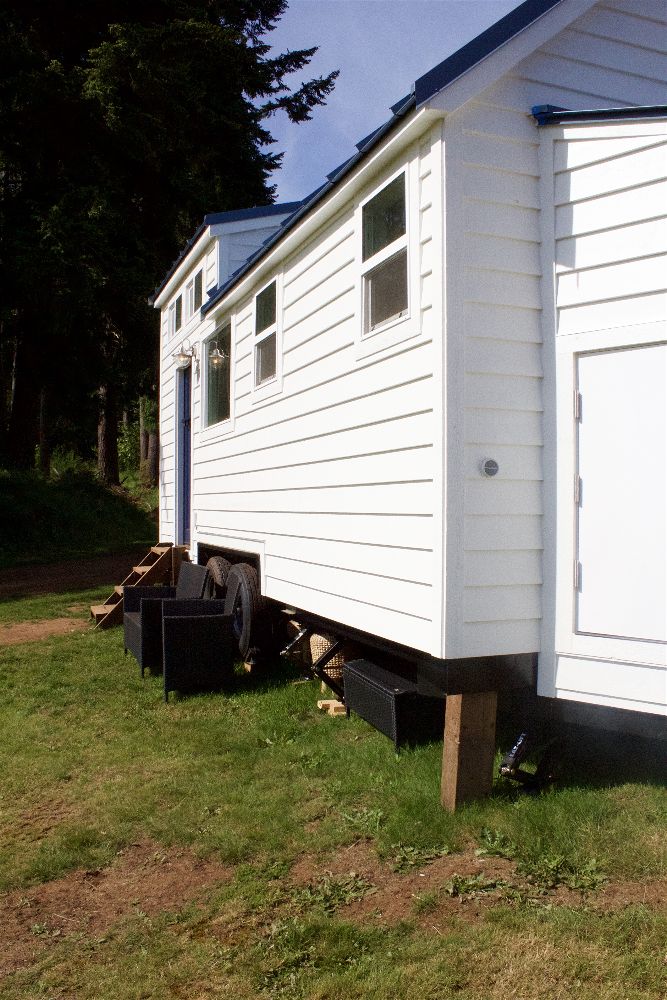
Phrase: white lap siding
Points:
(332, 480)
(606, 232)
(614, 56)
(167, 411)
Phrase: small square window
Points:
(218, 374)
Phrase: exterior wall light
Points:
(185, 354)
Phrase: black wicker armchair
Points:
(199, 648)
(142, 613)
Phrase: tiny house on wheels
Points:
(425, 408)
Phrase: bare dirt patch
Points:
(143, 879)
(427, 894)
(71, 574)
(20, 632)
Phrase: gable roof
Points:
(424, 88)
(222, 218)
(479, 48)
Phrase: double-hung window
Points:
(194, 294)
(385, 256)
(176, 316)
(266, 335)
(218, 375)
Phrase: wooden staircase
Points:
(160, 565)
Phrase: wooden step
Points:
(106, 615)
(158, 566)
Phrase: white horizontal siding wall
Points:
(606, 232)
(332, 480)
(613, 56)
(167, 417)
(205, 260)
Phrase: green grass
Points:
(92, 760)
(67, 517)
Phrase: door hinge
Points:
(577, 405)
(576, 576)
(577, 490)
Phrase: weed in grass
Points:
(365, 822)
(406, 856)
(426, 902)
(473, 885)
(552, 870)
(330, 892)
(493, 843)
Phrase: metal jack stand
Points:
(510, 765)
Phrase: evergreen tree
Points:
(121, 124)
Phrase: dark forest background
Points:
(121, 124)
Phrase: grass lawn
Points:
(243, 845)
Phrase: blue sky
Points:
(380, 48)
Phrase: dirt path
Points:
(14, 635)
(73, 574)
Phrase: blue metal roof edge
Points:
(424, 88)
(241, 214)
(548, 114)
(402, 108)
(480, 47)
(216, 218)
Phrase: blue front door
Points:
(184, 458)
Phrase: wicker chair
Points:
(143, 609)
(199, 647)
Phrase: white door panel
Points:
(622, 511)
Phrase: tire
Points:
(218, 569)
(250, 620)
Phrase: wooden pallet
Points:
(160, 565)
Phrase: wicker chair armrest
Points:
(189, 607)
(133, 596)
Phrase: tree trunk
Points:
(153, 459)
(44, 443)
(143, 433)
(23, 422)
(107, 437)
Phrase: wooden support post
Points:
(469, 748)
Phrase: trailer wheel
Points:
(218, 569)
(247, 607)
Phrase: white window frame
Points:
(190, 307)
(405, 326)
(173, 330)
(272, 386)
(223, 428)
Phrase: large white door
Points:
(622, 493)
